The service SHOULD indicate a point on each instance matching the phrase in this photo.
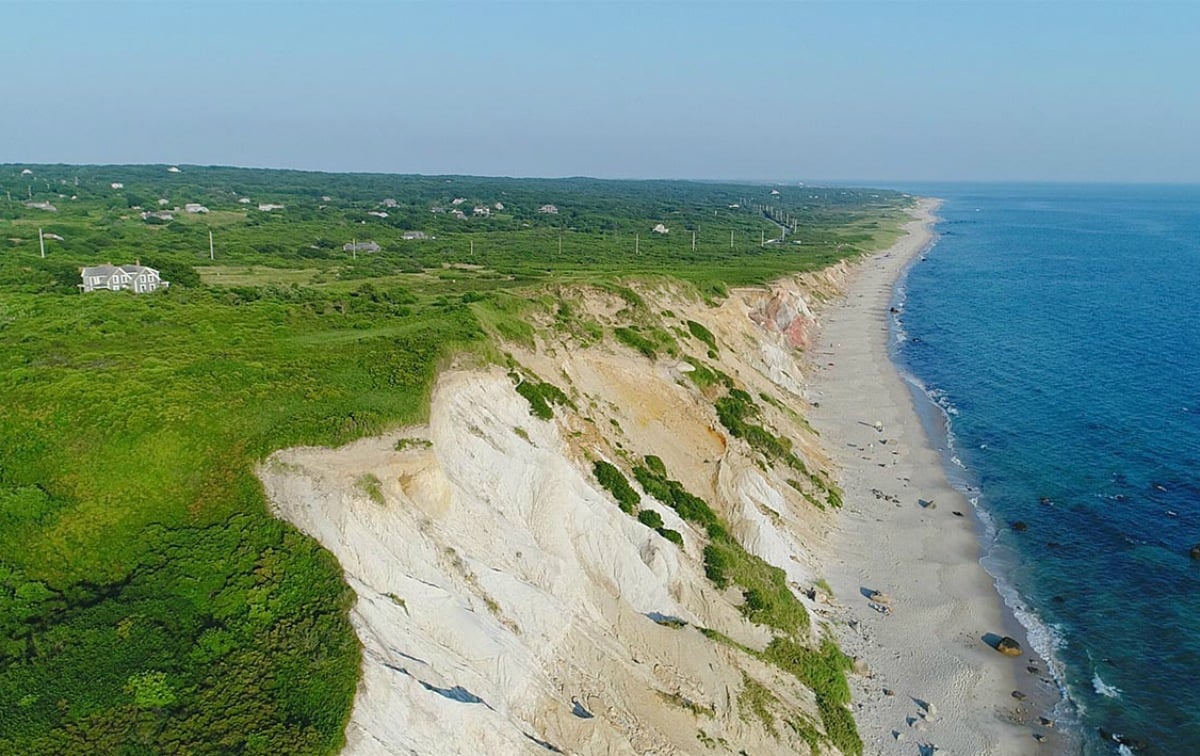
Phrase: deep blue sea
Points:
(1058, 328)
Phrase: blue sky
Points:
(891, 91)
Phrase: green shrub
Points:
(716, 565)
(655, 465)
(671, 535)
(614, 481)
(631, 338)
(540, 396)
(650, 518)
(703, 334)
(823, 670)
(370, 484)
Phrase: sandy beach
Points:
(934, 684)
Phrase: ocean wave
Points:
(1103, 688)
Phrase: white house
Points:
(548, 209)
(173, 169)
(117, 185)
(195, 207)
(136, 278)
(267, 207)
(377, 213)
(362, 246)
(414, 235)
(661, 229)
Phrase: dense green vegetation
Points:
(148, 601)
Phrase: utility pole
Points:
(693, 241)
(637, 249)
(731, 238)
(354, 249)
(211, 253)
(42, 243)
(560, 245)
(762, 242)
(472, 248)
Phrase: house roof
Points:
(107, 270)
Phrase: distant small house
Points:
(414, 235)
(377, 213)
(734, 206)
(161, 215)
(548, 209)
(55, 237)
(499, 205)
(484, 211)
(457, 201)
(326, 198)
(117, 185)
(173, 169)
(661, 229)
(136, 278)
(362, 246)
(460, 215)
(389, 202)
(163, 203)
(436, 209)
(41, 206)
(195, 207)
(267, 207)
(244, 200)
(26, 172)
(774, 192)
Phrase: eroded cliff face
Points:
(507, 605)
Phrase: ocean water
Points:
(1058, 329)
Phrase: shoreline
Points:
(930, 648)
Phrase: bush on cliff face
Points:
(615, 483)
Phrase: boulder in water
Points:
(1195, 552)
(1019, 525)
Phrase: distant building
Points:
(436, 209)
(161, 215)
(377, 213)
(774, 192)
(661, 229)
(41, 206)
(173, 169)
(499, 205)
(163, 203)
(267, 207)
(457, 201)
(411, 235)
(109, 277)
(480, 210)
(195, 207)
(26, 172)
(548, 209)
(244, 200)
(389, 202)
(362, 246)
(117, 185)
(460, 215)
